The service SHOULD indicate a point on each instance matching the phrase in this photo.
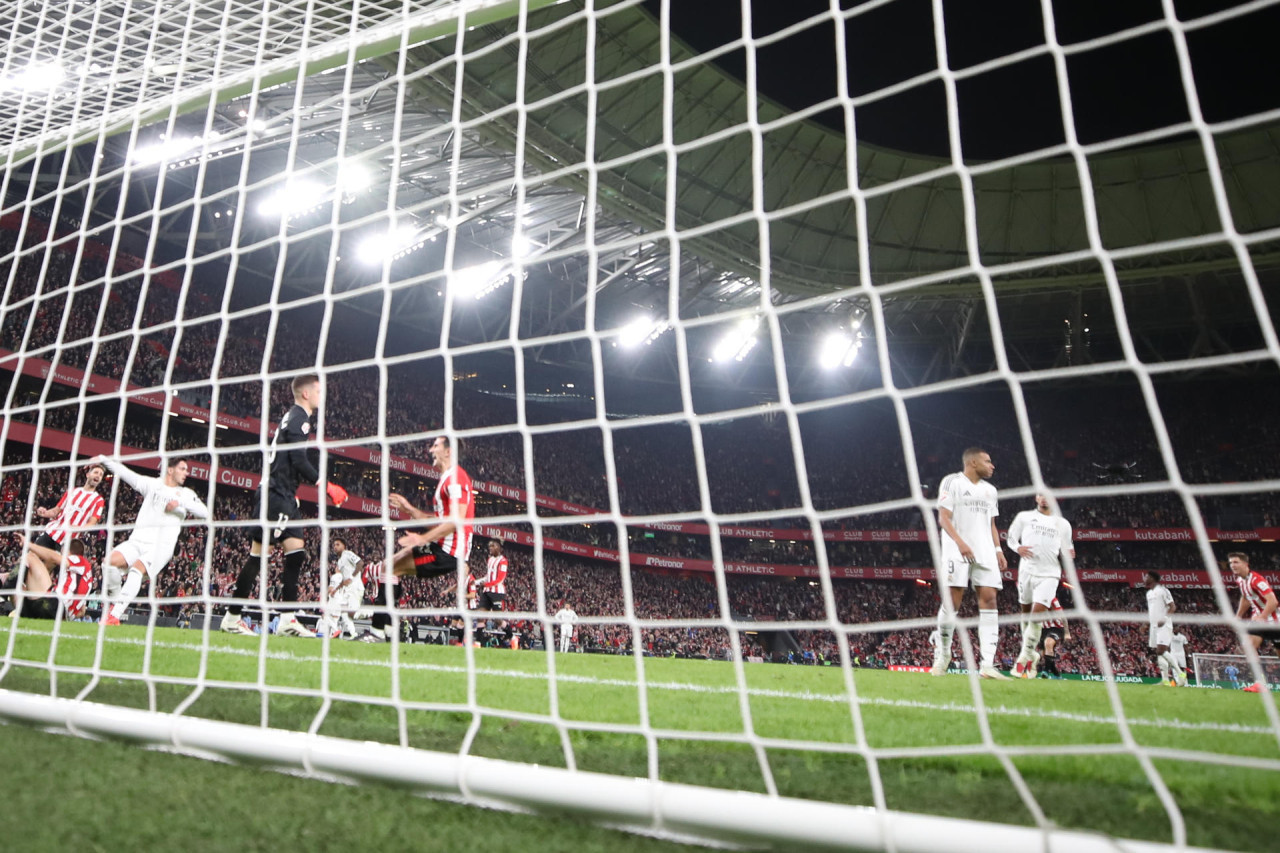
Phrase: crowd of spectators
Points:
(148, 332)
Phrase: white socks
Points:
(988, 635)
(1162, 661)
(946, 629)
(128, 592)
(1031, 638)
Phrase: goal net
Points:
(699, 309)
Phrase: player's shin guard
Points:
(1162, 661)
(946, 628)
(128, 592)
(988, 635)
(293, 561)
(244, 582)
(1031, 638)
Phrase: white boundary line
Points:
(797, 695)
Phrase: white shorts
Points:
(1160, 636)
(1037, 589)
(960, 572)
(144, 552)
(1180, 658)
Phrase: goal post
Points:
(1234, 671)
(708, 345)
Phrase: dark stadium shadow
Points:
(825, 776)
(966, 787)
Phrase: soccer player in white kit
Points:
(346, 588)
(1179, 651)
(1039, 537)
(565, 618)
(166, 503)
(971, 555)
(1160, 608)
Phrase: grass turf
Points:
(922, 729)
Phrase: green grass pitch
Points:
(920, 727)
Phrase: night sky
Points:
(1116, 90)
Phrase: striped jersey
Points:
(1058, 621)
(74, 583)
(495, 575)
(1256, 589)
(455, 501)
(75, 509)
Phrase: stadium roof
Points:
(1155, 203)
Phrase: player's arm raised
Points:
(401, 503)
(131, 479)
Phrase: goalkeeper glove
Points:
(336, 493)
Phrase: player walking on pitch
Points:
(278, 498)
(1039, 537)
(1160, 609)
(166, 503)
(971, 555)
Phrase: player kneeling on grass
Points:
(166, 503)
(1258, 599)
(1056, 632)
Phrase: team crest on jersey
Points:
(306, 427)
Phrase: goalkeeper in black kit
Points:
(290, 468)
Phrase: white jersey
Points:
(973, 507)
(1047, 536)
(565, 616)
(156, 529)
(1158, 600)
(349, 569)
(349, 596)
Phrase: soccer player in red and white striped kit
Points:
(444, 547)
(493, 587)
(1258, 599)
(79, 509)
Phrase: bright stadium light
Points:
(36, 77)
(481, 280)
(390, 244)
(354, 177)
(522, 247)
(293, 198)
(641, 330)
(839, 349)
(737, 342)
(164, 150)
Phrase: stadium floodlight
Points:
(522, 247)
(293, 198)
(165, 149)
(392, 244)
(354, 177)
(37, 77)
(839, 349)
(641, 330)
(738, 342)
(481, 280)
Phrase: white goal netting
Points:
(706, 307)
